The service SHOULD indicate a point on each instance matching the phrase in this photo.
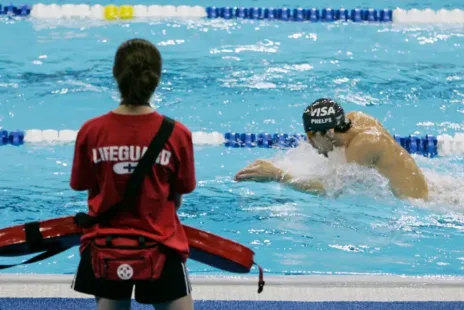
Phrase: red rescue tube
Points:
(58, 232)
(218, 252)
(63, 233)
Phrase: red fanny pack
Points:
(125, 257)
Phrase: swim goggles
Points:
(311, 134)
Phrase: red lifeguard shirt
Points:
(106, 152)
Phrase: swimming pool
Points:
(253, 76)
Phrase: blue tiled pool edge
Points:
(88, 303)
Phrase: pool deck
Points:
(277, 288)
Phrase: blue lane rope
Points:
(284, 14)
(301, 14)
(427, 145)
(14, 137)
(24, 10)
(112, 12)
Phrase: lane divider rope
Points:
(128, 12)
(428, 145)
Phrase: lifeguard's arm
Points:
(185, 180)
(82, 174)
(177, 200)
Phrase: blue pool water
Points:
(253, 76)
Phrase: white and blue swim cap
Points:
(324, 114)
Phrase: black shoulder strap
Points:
(143, 167)
(34, 240)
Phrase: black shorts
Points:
(173, 283)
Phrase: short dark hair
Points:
(345, 126)
(137, 70)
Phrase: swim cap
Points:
(324, 114)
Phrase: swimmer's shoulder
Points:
(358, 115)
(370, 139)
(365, 121)
(367, 146)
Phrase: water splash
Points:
(342, 178)
(337, 176)
(445, 190)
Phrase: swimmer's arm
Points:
(266, 171)
(306, 186)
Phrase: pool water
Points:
(253, 76)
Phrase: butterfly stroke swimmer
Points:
(366, 142)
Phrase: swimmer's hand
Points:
(265, 171)
(259, 171)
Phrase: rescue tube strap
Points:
(38, 258)
(261, 279)
(34, 242)
(34, 239)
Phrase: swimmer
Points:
(365, 142)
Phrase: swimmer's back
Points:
(393, 161)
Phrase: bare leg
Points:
(110, 304)
(184, 303)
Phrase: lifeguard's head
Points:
(137, 70)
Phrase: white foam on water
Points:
(337, 176)
(342, 178)
(446, 191)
